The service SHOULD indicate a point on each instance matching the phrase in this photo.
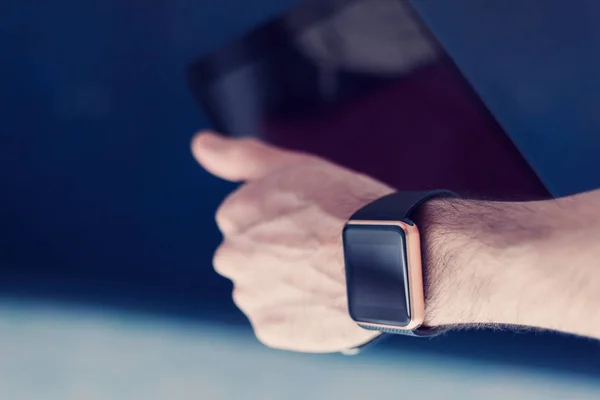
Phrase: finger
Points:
(238, 159)
(234, 262)
(224, 262)
(239, 209)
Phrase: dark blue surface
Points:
(100, 200)
(536, 64)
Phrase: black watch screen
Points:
(376, 274)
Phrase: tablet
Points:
(364, 84)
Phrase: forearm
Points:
(530, 264)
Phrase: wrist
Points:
(524, 264)
(443, 241)
(473, 261)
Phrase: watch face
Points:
(376, 274)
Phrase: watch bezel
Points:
(416, 299)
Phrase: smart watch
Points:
(382, 254)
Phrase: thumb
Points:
(238, 159)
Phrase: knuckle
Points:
(224, 261)
(224, 219)
(236, 209)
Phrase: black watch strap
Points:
(400, 206)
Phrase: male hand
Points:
(282, 246)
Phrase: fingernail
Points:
(209, 139)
